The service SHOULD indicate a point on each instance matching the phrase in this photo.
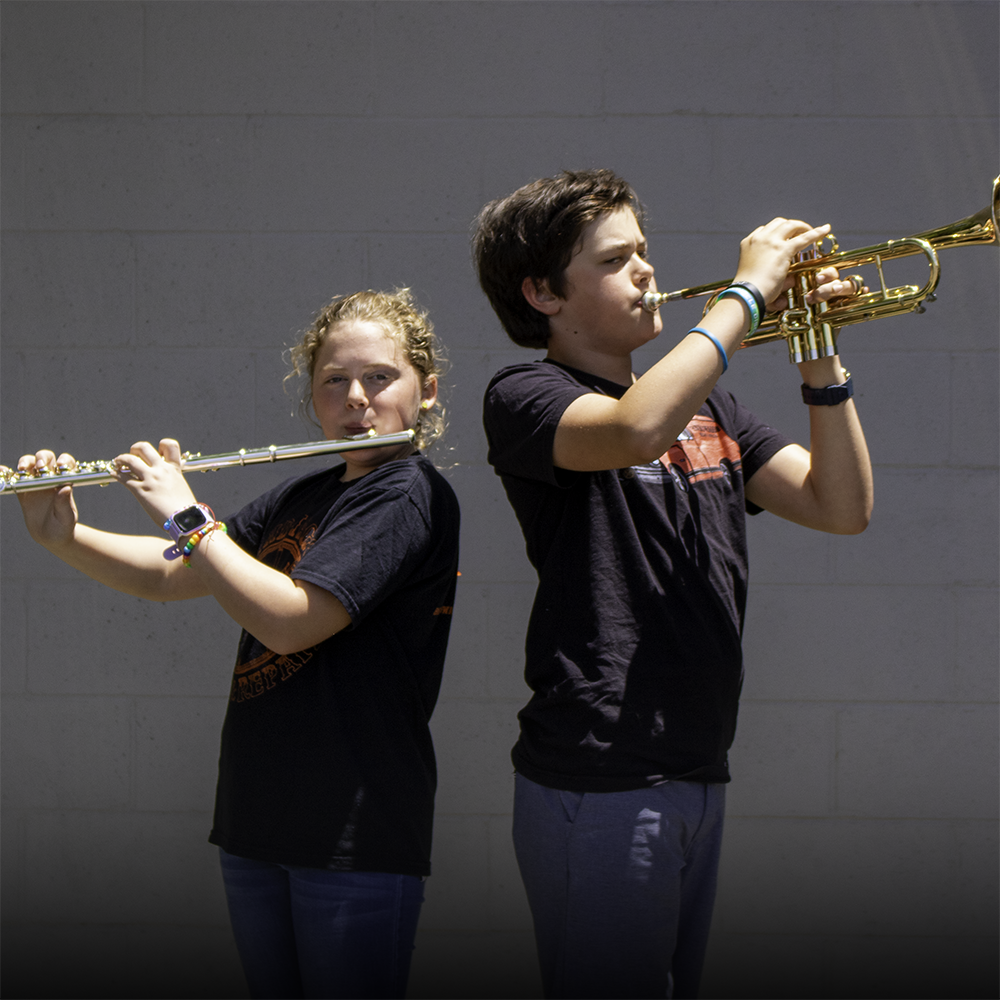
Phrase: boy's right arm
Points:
(132, 564)
(599, 432)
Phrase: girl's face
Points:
(362, 381)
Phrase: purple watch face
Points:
(189, 519)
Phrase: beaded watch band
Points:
(192, 543)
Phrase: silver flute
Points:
(101, 472)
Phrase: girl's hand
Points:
(155, 478)
(767, 253)
(50, 515)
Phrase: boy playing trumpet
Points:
(631, 493)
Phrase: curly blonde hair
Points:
(400, 317)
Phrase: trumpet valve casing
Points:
(802, 324)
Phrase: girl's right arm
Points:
(132, 564)
(286, 615)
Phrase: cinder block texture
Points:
(184, 185)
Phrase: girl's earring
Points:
(425, 404)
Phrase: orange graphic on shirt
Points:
(293, 539)
(699, 454)
(287, 543)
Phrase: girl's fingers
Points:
(170, 451)
(146, 451)
(42, 460)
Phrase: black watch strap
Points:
(831, 395)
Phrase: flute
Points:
(101, 473)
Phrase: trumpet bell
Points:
(982, 228)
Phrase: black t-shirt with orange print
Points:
(326, 758)
(633, 648)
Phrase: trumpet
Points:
(811, 330)
(101, 473)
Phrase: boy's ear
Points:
(536, 291)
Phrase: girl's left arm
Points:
(285, 615)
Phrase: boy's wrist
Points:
(822, 372)
(733, 313)
(761, 282)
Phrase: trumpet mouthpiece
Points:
(652, 301)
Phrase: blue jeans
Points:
(310, 932)
(621, 885)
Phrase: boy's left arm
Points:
(829, 487)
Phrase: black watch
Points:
(831, 395)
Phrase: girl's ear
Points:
(429, 392)
(540, 297)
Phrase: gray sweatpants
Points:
(621, 885)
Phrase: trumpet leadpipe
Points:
(103, 472)
(652, 301)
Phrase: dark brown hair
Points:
(532, 234)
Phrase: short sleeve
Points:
(377, 537)
(521, 412)
(758, 441)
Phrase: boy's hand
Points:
(830, 286)
(767, 253)
(50, 515)
(155, 478)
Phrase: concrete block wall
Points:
(184, 184)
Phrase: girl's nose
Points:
(356, 394)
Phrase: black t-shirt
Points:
(633, 647)
(326, 757)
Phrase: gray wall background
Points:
(184, 184)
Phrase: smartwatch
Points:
(831, 395)
(187, 520)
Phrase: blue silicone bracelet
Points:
(718, 346)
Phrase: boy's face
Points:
(604, 284)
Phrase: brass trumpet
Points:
(811, 330)
(101, 473)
